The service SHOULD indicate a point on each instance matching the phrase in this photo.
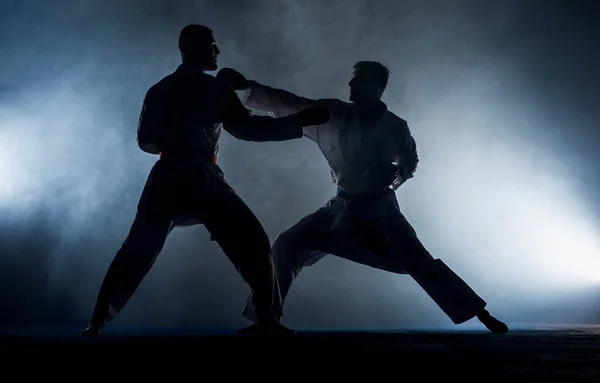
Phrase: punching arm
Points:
(278, 102)
(239, 123)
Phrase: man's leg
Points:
(406, 254)
(138, 252)
(294, 249)
(128, 268)
(241, 236)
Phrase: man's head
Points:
(198, 46)
(368, 82)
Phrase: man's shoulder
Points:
(397, 122)
(176, 80)
(162, 85)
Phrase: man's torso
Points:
(192, 103)
(352, 149)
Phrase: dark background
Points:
(501, 96)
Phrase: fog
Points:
(501, 97)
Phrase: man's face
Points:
(363, 87)
(212, 55)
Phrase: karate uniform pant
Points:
(174, 189)
(372, 233)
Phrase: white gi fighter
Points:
(371, 152)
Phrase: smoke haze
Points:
(501, 97)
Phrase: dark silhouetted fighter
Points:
(181, 121)
(371, 152)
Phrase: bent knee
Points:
(289, 248)
(283, 242)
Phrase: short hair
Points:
(375, 69)
(191, 35)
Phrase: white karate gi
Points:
(371, 231)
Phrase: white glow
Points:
(555, 239)
(53, 148)
(541, 223)
(508, 210)
(12, 176)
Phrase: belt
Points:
(199, 157)
(363, 197)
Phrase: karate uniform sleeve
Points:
(238, 121)
(278, 102)
(407, 158)
(281, 103)
(152, 122)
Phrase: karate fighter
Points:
(371, 152)
(181, 121)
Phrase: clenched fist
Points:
(233, 78)
(385, 173)
(315, 115)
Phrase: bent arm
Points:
(151, 123)
(407, 159)
(238, 122)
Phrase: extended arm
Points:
(279, 102)
(239, 123)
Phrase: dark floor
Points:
(563, 354)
